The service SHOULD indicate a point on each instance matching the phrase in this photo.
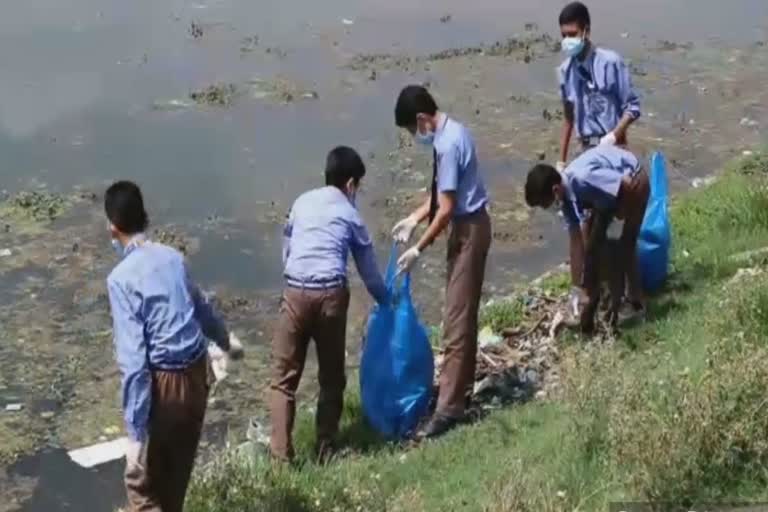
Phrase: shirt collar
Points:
(442, 121)
(137, 241)
(336, 191)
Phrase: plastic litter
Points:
(100, 453)
(655, 234)
(4, 253)
(397, 366)
(14, 407)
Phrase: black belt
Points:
(591, 141)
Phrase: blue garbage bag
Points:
(655, 238)
(397, 366)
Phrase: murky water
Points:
(92, 91)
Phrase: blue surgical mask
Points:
(425, 139)
(118, 247)
(572, 46)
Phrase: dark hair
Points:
(538, 186)
(343, 163)
(413, 100)
(575, 12)
(125, 207)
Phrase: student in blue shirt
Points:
(457, 199)
(595, 86)
(609, 182)
(161, 322)
(323, 227)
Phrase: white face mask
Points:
(556, 207)
(118, 247)
(425, 139)
(572, 46)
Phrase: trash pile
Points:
(519, 363)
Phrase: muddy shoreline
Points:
(702, 105)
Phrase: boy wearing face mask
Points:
(458, 198)
(608, 181)
(323, 227)
(161, 322)
(595, 85)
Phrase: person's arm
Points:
(446, 204)
(365, 260)
(567, 133)
(576, 250)
(630, 101)
(287, 233)
(131, 350)
(210, 321)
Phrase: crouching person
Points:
(323, 227)
(610, 183)
(161, 321)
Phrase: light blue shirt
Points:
(600, 90)
(593, 180)
(323, 227)
(160, 321)
(457, 169)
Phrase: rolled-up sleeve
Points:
(131, 349)
(630, 101)
(365, 260)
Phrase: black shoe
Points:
(437, 426)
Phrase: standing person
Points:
(610, 182)
(161, 321)
(595, 86)
(458, 198)
(323, 227)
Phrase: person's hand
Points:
(408, 259)
(135, 453)
(560, 166)
(404, 229)
(609, 139)
(235, 351)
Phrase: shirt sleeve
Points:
(210, 321)
(448, 170)
(131, 349)
(287, 234)
(630, 102)
(561, 81)
(365, 260)
(601, 194)
(572, 214)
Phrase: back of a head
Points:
(538, 186)
(343, 163)
(124, 206)
(575, 12)
(413, 100)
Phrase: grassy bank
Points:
(676, 409)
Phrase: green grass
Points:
(675, 409)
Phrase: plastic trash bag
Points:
(397, 366)
(655, 238)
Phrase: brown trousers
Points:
(468, 246)
(632, 201)
(179, 398)
(308, 314)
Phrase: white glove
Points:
(236, 351)
(220, 360)
(608, 140)
(408, 259)
(135, 453)
(404, 229)
(574, 300)
(560, 166)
